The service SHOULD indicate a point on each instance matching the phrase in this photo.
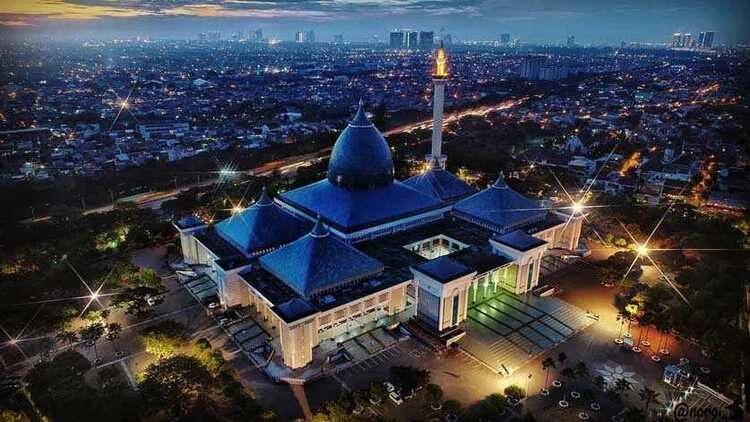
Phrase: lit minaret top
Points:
(439, 79)
(441, 63)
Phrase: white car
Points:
(213, 305)
(395, 398)
(388, 387)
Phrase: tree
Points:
(634, 414)
(91, 334)
(622, 385)
(452, 407)
(647, 395)
(113, 332)
(409, 378)
(211, 359)
(491, 407)
(134, 300)
(546, 365)
(581, 370)
(562, 357)
(59, 390)
(515, 391)
(66, 336)
(433, 394)
(163, 339)
(175, 383)
(377, 392)
(599, 381)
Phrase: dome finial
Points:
(500, 182)
(360, 119)
(320, 229)
(264, 198)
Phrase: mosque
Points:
(360, 250)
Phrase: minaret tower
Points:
(439, 79)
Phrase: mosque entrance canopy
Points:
(435, 246)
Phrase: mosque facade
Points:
(359, 249)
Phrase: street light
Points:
(577, 207)
(642, 250)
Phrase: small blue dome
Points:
(361, 158)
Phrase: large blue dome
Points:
(360, 158)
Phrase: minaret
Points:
(439, 79)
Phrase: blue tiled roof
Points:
(360, 157)
(441, 184)
(443, 269)
(500, 208)
(317, 262)
(261, 226)
(519, 240)
(351, 210)
(294, 309)
(188, 222)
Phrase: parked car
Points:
(213, 305)
(388, 387)
(395, 398)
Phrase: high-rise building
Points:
(426, 39)
(310, 36)
(412, 40)
(677, 40)
(687, 40)
(448, 39)
(299, 36)
(214, 35)
(338, 39)
(259, 34)
(397, 39)
(505, 39)
(571, 41)
(706, 39)
(532, 66)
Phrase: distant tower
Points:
(439, 79)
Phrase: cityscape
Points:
(374, 211)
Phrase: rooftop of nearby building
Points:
(443, 269)
(319, 261)
(262, 226)
(352, 210)
(519, 240)
(500, 208)
(441, 184)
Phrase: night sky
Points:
(532, 21)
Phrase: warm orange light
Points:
(441, 63)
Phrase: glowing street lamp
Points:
(642, 250)
(577, 207)
(124, 104)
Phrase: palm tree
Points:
(546, 364)
(113, 333)
(581, 370)
(622, 385)
(66, 336)
(434, 394)
(562, 357)
(647, 395)
(663, 326)
(634, 414)
(91, 334)
(569, 375)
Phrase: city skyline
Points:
(537, 22)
